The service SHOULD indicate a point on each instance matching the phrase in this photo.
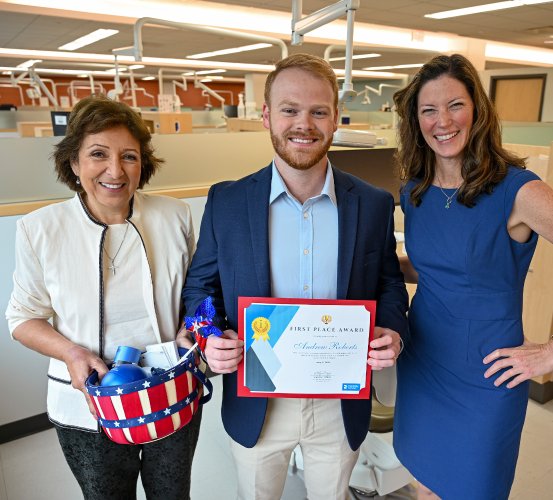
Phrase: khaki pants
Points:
(317, 426)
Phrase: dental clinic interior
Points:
(195, 70)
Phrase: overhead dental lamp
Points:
(378, 91)
(301, 26)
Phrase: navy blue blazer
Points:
(232, 260)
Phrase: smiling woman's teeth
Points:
(446, 137)
(111, 186)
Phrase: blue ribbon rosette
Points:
(201, 325)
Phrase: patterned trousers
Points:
(109, 471)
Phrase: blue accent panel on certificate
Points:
(267, 357)
(280, 319)
(256, 376)
(279, 316)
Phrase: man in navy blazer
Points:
(248, 246)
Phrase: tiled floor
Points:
(33, 468)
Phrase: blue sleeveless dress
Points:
(456, 432)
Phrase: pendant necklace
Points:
(448, 199)
(112, 266)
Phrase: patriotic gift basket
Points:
(154, 407)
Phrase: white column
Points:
(255, 87)
(476, 53)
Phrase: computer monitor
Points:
(59, 121)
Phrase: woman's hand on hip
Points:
(520, 363)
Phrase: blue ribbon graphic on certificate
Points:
(298, 348)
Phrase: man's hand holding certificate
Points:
(305, 348)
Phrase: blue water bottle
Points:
(125, 367)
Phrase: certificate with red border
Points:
(305, 348)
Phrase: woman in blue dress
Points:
(473, 214)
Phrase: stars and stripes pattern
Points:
(201, 324)
(152, 408)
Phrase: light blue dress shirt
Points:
(303, 241)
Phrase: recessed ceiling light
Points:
(235, 50)
(512, 53)
(99, 34)
(113, 72)
(149, 78)
(488, 7)
(357, 56)
(397, 66)
(204, 72)
(136, 66)
(56, 71)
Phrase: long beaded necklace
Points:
(112, 266)
(448, 199)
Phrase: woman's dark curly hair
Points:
(93, 115)
(485, 161)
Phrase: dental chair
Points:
(378, 471)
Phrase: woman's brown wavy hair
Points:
(485, 161)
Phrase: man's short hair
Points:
(315, 65)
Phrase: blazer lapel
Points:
(258, 193)
(348, 213)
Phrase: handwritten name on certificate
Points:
(305, 348)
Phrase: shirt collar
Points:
(278, 187)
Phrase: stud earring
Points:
(78, 181)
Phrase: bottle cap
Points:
(126, 354)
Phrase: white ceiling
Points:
(45, 29)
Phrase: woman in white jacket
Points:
(104, 269)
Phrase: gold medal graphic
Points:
(261, 327)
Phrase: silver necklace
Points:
(448, 199)
(113, 267)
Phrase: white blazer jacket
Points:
(58, 277)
